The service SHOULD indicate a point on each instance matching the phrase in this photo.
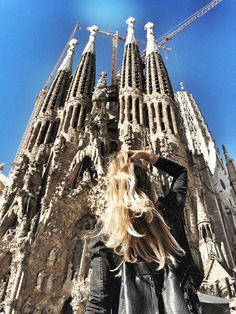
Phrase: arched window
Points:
(43, 133)
(160, 111)
(137, 110)
(88, 167)
(122, 110)
(129, 109)
(153, 117)
(34, 136)
(53, 131)
(170, 119)
(204, 234)
(75, 118)
(145, 116)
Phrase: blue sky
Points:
(33, 34)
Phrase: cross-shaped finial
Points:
(149, 25)
(130, 21)
(93, 29)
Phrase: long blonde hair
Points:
(132, 226)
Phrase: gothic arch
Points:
(75, 117)
(53, 131)
(34, 136)
(42, 133)
(137, 111)
(153, 117)
(85, 166)
(145, 116)
(168, 109)
(129, 109)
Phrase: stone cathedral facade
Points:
(56, 190)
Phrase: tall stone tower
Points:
(215, 199)
(56, 190)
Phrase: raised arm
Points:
(177, 195)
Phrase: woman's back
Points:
(145, 247)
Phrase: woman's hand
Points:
(149, 156)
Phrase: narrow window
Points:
(75, 117)
(54, 130)
(137, 110)
(161, 116)
(129, 107)
(122, 110)
(145, 116)
(170, 119)
(153, 117)
(43, 133)
(34, 136)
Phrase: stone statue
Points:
(100, 92)
(52, 257)
(50, 283)
(41, 276)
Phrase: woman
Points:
(146, 241)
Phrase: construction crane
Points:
(160, 41)
(115, 40)
(168, 36)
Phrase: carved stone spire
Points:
(67, 62)
(151, 44)
(208, 246)
(130, 39)
(131, 69)
(83, 81)
(157, 79)
(231, 169)
(201, 211)
(161, 117)
(131, 91)
(90, 47)
(78, 102)
(45, 126)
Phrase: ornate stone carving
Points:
(100, 91)
(52, 257)
(40, 280)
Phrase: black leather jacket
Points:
(105, 287)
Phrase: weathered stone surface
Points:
(56, 189)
